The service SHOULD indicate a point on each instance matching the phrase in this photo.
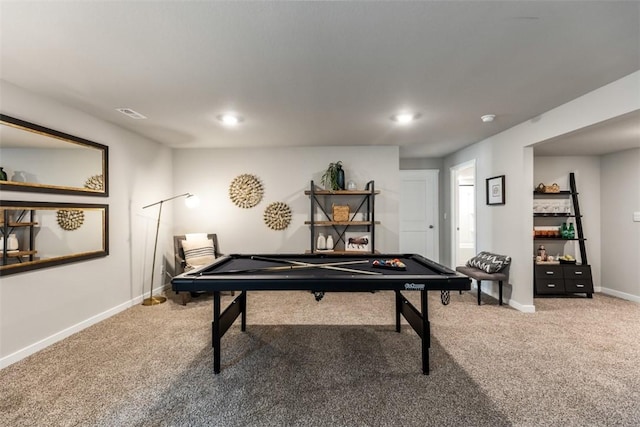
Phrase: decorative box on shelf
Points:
(340, 213)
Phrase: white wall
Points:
(285, 174)
(40, 307)
(620, 194)
(508, 229)
(587, 174)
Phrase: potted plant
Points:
(333, 178)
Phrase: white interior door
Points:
(419, 213)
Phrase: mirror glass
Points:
(35, 158)
(39, 234)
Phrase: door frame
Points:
(454, 235)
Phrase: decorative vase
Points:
(321, 244)
(3, 174)
(19, 176)
(329, 241)
(12, 243)
(1, 243)
(340, 177)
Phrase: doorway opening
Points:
(463, 200)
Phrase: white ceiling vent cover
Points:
(129, 112)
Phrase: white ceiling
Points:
(318, 73)
(617, 134)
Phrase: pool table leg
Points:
(419, 321)
(426, 332)
(222, 321)
(216, 339)
(398, 310)
(243, 310)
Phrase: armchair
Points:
(200, 253)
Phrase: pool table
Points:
(320, 273)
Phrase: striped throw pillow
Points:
(198, 252)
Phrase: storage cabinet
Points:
(360, 219)
(559, 277)
(20, 223)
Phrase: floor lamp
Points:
(159, 300)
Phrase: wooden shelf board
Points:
(345, 223)
(342, 192)
(556, 238)
(11, 254)
(341, 252)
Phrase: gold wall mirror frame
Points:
(38, 159)
(36, 235)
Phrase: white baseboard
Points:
(520, 307)
(59, 336)
(618, 294)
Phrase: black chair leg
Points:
(479, 290)
(500, 291)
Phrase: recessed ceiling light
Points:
(405, 117)
(230, 119)
(488, 118)
(131, 113)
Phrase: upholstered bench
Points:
(490, 267)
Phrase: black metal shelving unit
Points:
(363, 199)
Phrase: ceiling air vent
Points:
(129, 112)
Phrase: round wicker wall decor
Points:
(95, 182)
(246, 191)
(70, 219)
(277, 216)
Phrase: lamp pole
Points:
(160, 299)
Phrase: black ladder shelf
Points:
(564, 278)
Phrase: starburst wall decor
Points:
(246, 191)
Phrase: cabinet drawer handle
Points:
(550, 285)
(579, 286)
(578, 273)
(550, 273)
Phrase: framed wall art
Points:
(357, 241)
(495, 190)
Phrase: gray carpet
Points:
(305, 363)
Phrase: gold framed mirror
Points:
(41, 234)
(38, 159)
